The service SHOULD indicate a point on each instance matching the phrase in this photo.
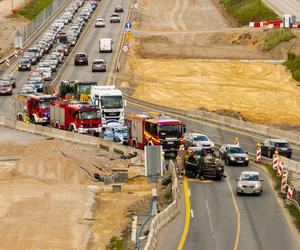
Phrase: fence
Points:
(167, 215)
(40, 19)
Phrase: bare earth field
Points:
(47, 200)
(166, 64)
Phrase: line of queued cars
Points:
(44, 57)
(100, 65)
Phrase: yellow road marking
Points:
(238, 217)
(187, 214)
(200, 181)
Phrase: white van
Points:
(105, 45)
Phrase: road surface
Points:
(282, 7)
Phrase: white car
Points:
(100, 22)
(198, 140)
(249, 182)
(115, 18)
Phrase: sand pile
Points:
(45, 160)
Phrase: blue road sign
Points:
(128, 25)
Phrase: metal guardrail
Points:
(294, 202)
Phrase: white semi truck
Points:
(111, 103)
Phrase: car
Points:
(249, 182)
(115, 18)
(119, 9)
(9, 79)
(81, 59)
(269, 146)
(198, 140)
(59, 55)
(37, 83)
(37, 52)
(28, 89)
(24, 65)
(116, 132)
(100, 22)
(32, 57)
(6, 88)
(234, 154)
(99, 65)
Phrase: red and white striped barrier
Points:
(258, 154)
(284, 180)
(7, 62)
(269, 24)
(280, 168)
(275, 161)
(290, 192)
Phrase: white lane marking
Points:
(192, 213)
(209, 218)
(189, 193)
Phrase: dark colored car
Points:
(282, 146)
(81, 59)
(234, 155)
(9, 79)
(6, 88)
(31, 57)
(24, 65)
(119, 9)
(38, 84)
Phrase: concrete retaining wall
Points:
(69, 136)
(244, 126)
(167, 215)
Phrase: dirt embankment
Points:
(45, 197)
(166, 66)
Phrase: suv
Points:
(81, 58)
(6, 88)
(270, 145)
(234, 154)
(115, 18)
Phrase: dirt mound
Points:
(44, 160)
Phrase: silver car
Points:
(249, 183)
(198, 140)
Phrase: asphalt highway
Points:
(219, 216)
(282, 7)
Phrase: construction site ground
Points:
(168, 63)
(49, 201)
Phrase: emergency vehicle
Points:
(155, 129)
(33, 108)
(75, 116)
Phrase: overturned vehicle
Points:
(199, 163)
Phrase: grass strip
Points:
(245, 11)
(276, 37)
(293, 64)
(33, 8)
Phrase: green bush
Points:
(115, 243)
(245, 11)
(293, 64)
(276, 37)
(33, 8)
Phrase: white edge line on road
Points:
(192, 213)
(189, 193)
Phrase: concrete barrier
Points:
(70, 136)
(244, 126)
(167, 215)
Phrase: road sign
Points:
(153, 162)
(128, 26)
(125, 48)
(128, 36)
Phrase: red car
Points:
(6, 88)
(81, 59)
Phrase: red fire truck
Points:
(155, 129)
(75, 116)
(34, 108)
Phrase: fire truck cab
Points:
(155, 129)
(75, 116)
(34, 108)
